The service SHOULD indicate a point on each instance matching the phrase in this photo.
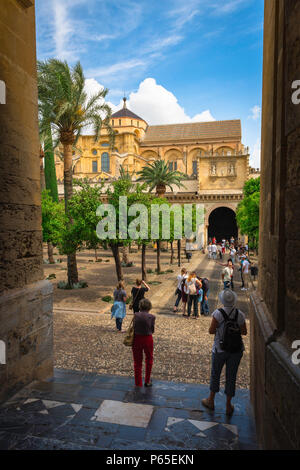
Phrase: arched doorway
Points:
(222, 224)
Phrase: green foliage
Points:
(50, 171)
(158, 174)
(77, 285)
(64, 104)
(53, 219)
(82, 209)
(247, 214)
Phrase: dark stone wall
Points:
(275, 307)
(25, 300)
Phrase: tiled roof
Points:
(124, 112)
(195, 130)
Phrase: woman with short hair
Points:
(144, 323)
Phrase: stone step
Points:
(77, 410)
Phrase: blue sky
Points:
(177, 61)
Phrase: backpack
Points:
(192, 289)
(231, 340)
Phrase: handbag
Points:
(129, 337)
(135, 297)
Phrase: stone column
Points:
(26, 299)
(275, 307)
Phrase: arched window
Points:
(105, 162)
(105, 144)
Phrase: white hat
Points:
(228, 298)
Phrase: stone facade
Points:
(26, 301)
(275, 322)
(211, 154)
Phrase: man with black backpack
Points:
(228, 325)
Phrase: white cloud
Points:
(64, 29)
(111, 71)
(255, 154)
(157, 105)
(152, 102)
(256, 111)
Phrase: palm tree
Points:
(64, 106)
(158, 175)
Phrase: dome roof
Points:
(124, 112)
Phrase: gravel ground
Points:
(182, 347)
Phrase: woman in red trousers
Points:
(143, 342)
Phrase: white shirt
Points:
(232, 251)
(214, 248)
(246, 265)
(220, 319)
(180, 279)
(228, 272)
(209, 248)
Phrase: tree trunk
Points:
(96, 254)
(124, 251)
(179, 252)
(116, 253)
(42, 172)
(50, 253)
(72, 269)
(68, 191)
(144, 274)
(172, 253)
(158, 256)
(161, 190)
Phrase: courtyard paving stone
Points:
(171, 414)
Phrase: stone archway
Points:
(222, 224)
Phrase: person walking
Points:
(118, 310)
(138, 293)
(209, 250)
(204, 303)
(227, 274)
(232, 253)
(144, 323)
(243, 257)
(219, 248)
(245, 271)
(214, 250)
(178, 292)
(228, 325)
(193, 285)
